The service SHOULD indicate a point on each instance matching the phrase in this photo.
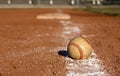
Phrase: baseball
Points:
(79, 48)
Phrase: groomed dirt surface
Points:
(31, 46)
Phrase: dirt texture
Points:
(28, 45)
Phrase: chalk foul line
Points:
(88, 67)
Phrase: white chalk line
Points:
(90, 67)
(88, 36)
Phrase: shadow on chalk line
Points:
(63, 53)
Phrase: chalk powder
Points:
(88, 67)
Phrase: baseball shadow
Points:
(63, 53)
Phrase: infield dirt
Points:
(31, 46)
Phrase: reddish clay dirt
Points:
(27, 44)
